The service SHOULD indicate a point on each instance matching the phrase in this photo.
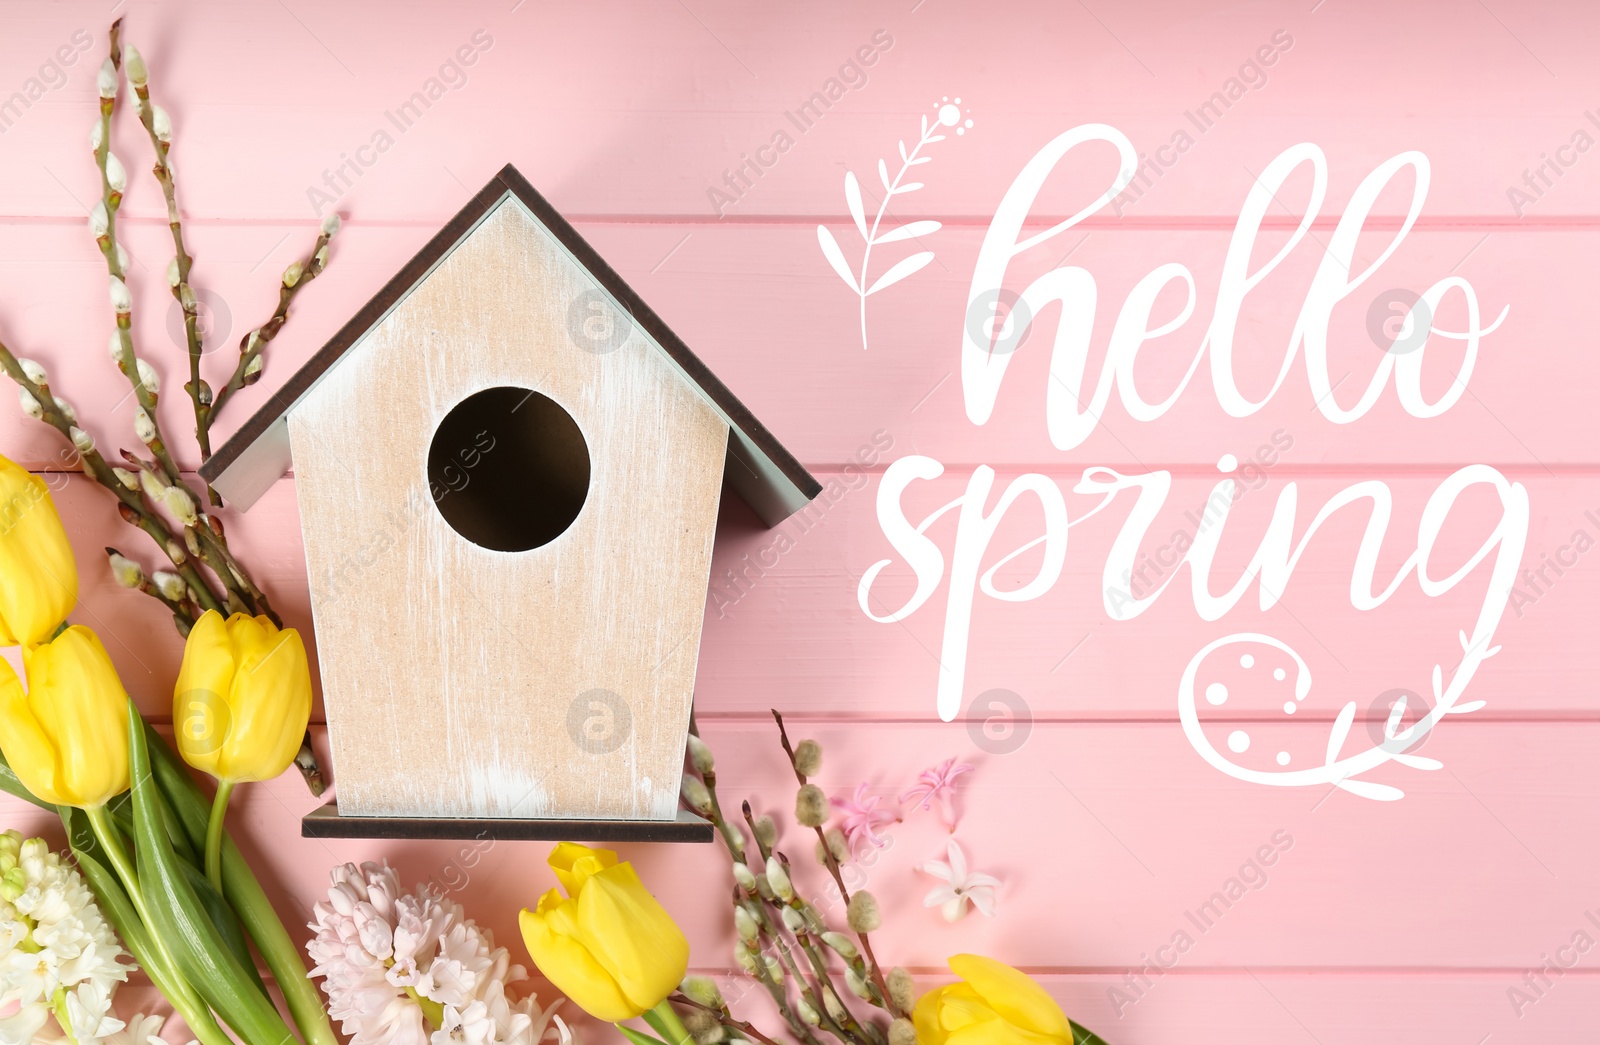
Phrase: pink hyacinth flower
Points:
(938, 785)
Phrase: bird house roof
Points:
(763, 473)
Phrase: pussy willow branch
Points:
(735, 842)
(203, 539)
(725, 1018)
(131, 503)
(834, 869)
(248, 370)
(810, 991)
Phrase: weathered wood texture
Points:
(468, 682)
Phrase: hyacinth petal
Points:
(1014, 996)
(632, 936)
(35, 559)
(550, 933)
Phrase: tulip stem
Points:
(664, 1018)
(219, 811)
(110, 838)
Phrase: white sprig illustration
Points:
(949, 115)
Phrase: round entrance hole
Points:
(508, 469)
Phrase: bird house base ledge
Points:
(327, 823)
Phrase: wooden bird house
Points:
(508, 471)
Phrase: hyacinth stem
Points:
(219, 813)
(832, 863)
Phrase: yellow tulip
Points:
(66, 738)
(608, 945)
(41, 578)
(997, 1005)
(243, 697)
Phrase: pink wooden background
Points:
(1397, 923)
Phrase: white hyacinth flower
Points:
(133, 65)
(116, 174)
(423, 948)
(149, 378)
(30, 405)
(330, 225)
(180, 504)
(56, 946)
(121, 300)
(107, 80)
(34, 371)
(170, 585)
(81, 439)
(161, 123)
(143, 427)
(99, 219)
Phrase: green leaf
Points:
(181, 920)
(244, 893)
(226, 921)
(1084, 1036)
(636, 1037)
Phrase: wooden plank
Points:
(1107, 838)
(762, 308)
(626, 130)
(784, 627)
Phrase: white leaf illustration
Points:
(852, 196)
(911, 230)
(1416, 761)
(903, 150)
(835, 256)
(910, 186)
(924, 125)
(1340, 730)
(883, 174)
(1376, 792)
(900, 270)
(919, 159)
(1468, 707)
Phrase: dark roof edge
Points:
(756, 438)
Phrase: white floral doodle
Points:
(949, 115)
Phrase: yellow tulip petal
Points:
(632, 935)
(82, 710)
(41, 576)
(28, 751)
(269, 706)
(574, 863)
(567, 963)
(1014, 996)
(926, 1017)
(200, 712)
